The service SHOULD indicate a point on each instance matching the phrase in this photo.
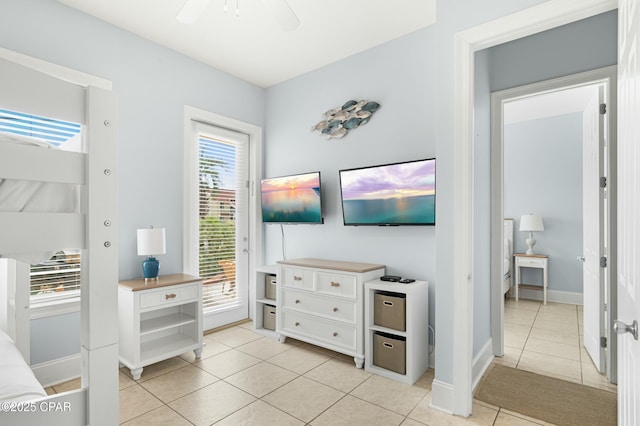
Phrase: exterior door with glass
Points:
(219, 221)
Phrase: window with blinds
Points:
(58, 277)
(217, 220)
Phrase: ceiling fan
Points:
(280, 9)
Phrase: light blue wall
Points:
(400, 75)
(152, 85)
(55, 337)
(580, 46)
(543, 175)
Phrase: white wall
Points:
(152, 85)
(543, 175)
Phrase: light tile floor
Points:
(548, 339)
(246, 379)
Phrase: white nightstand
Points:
(159, 320)
(540, 261)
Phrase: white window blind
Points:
(58, 277)
(218, 161)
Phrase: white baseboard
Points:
(442, 396)
(556, 296)
(481, 362)
(58, 371)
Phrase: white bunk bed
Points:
(507, 256)
(67, 95)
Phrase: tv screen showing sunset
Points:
(292, 199)
(394, 194)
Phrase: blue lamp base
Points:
(150, 267)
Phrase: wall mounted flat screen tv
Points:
(292, 199)
(390, 194)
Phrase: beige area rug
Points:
(546, 398)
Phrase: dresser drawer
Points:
(298, 278)
(531, 262)
(168, 296)
(336, 284)
(342, 335)
(328, 307)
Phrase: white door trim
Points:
(539, 18)
(255, 245)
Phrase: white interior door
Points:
(628, 212)
(592, 228)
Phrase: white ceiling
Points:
(253, 46)
(549, 104)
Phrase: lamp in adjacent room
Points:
(151, 242)
(530, 223)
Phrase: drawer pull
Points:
(297, 324)
(335, 284)
(169, 296)
(297, 301)
(297, 278)
(387, 303)
(335, 309)
(335, 334)
(387, 345)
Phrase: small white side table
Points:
(540, 261)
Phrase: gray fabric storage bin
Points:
(389, 310)
(269, 317)
(270, 286)
(389, 352)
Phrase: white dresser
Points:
(321, 302)
(159, 320)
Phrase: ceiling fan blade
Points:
(283, 13)
(191, 10)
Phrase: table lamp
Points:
(151, 242)
(530, 223)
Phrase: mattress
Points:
(18, 382)
(34, 196)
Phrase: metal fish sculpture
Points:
(349, 105)
(320, 126)
(351, 115)
(338, 133)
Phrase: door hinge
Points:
(603, 342)
(603, 108)
(603, 262)
(603, 182)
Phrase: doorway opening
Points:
(563, 184)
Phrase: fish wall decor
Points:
(337, 122)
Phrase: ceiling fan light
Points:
(191, 10)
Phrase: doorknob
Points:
(580, 259)
(621, 328)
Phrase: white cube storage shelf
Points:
(264, 305)
(412, 342)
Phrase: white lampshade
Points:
(531, 222)
(151, 242)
